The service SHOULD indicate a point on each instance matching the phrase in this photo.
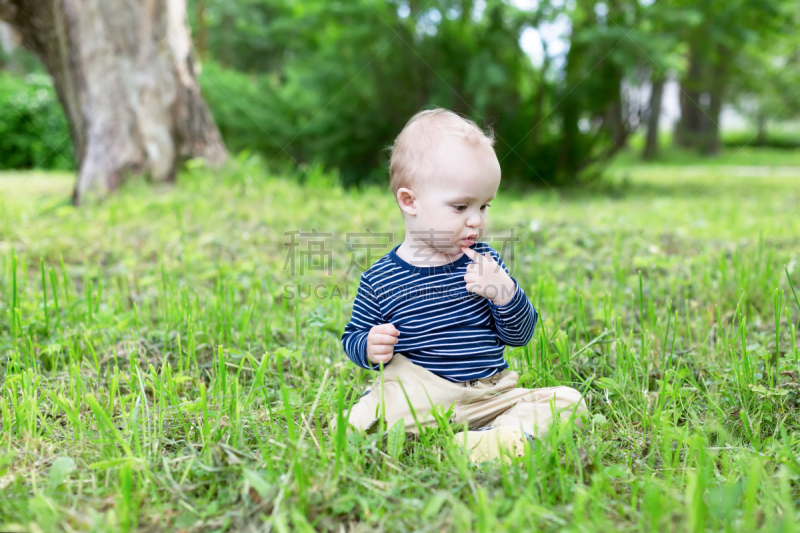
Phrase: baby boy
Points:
(439, 309)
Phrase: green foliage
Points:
(768, 74)
(33, 129)
(245, 108)
(343, 79)
(156, 374)
(334, 82)
(722, 51)
(329, 84)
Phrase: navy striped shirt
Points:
(444, 328)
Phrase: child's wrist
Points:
(506, 295)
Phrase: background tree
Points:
(124, 73)
(335, 82)
(664, 53)
(716, 48)
(596, 115)
(768, 87)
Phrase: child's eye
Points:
(460, 208)
(483, 207)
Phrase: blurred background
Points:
(566, 84)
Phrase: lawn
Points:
(168, 360)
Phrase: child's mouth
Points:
(469, 241)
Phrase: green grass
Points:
(154, 374)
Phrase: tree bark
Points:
(616, 121)
(124, 73)
(702, 94)
(7, 38)
(569, 108)
(717, 85)
(761, 124)
(539, 115)
(654, 114)
(689, 130)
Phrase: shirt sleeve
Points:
(366, 315)
(515, 321)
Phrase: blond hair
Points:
(420, 134)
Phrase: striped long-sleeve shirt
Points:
(454, 333)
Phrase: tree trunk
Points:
(711, 141)
(689, 129)
(761, 124)
(616, 121)
(654, 113)
(125, 76)
(7, 40)
(569, 109)
(539, 115)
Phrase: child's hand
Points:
(380, 343)
(486, 277)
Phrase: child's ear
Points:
(407, 200)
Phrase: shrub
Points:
(781, 139)
(245, 109)
(33, 130)
(335, 82)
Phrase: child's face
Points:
(448, 208)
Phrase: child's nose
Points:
(474, 221)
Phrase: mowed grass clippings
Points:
(162, 367)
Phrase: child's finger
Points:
(472, 254)
(384, 339)
(382, 358)
(381, 349)
(473, 287)
(386, 329)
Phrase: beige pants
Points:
(493, 401)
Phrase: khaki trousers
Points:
(493, 401)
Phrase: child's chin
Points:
(454, 249)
